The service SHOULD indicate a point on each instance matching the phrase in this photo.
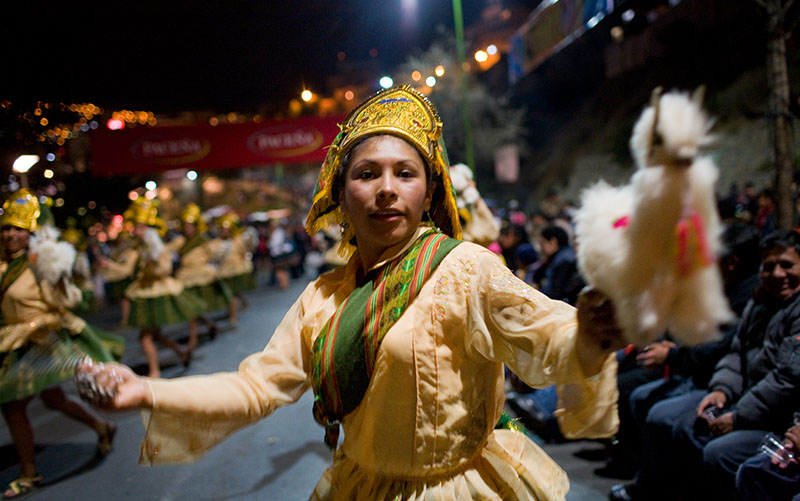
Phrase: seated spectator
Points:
(684, 369)
(558, 277)
(751, 389)
(763, 477)
(511, 237)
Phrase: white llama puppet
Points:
(651, 245)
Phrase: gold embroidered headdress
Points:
(145, 211)
(192, 214)
(407, 114)
(21, 210)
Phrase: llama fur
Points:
(635, 264)
(51, 259)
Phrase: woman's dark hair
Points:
(557, 232)
(338, 181)
(783, 239)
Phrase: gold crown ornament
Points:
(232, 222)
(193, 215)
(21, 210)
(409, 115)
(145, 211)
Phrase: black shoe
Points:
(620, 492)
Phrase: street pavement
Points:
(279, 458)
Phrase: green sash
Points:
(192, 243)
(344, 353)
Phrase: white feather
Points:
(635, 263)
(51, 260)
(153, 245)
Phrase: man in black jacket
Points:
(749, 388)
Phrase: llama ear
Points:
(698, 95)
(655, 96)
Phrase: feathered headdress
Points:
(401, 112)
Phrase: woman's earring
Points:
(429, 220)
(343, 226)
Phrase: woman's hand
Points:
(598, 331)
(112, 386)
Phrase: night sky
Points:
(168, 56)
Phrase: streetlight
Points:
(386, 82)
(22, 165)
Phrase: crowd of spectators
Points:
(692, 419)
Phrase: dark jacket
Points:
(560, 278)
(698, 362)
(757, 351)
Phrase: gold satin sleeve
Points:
(190, 415)
(124, 267)
(535, 336)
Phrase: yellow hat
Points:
(407, 114)
(192, 214)
(21, 210)
(231, 221)
(73, 236)
(145, 211)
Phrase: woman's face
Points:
(139, 230)
(386, 192)
(13, 239)
(189, 229)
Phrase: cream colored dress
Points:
(196, 267)
(32, 309)
(425, 428)
(238, 260)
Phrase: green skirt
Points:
(116, 290)
(217, 295)
(87, 303)
(152, 313)
(32, 368)
(241, 283)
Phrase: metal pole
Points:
(458, 19)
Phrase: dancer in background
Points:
(156, 298)
(118, 271)
(199, 255)
(41, 341)
(236, 270)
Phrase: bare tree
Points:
(779, 25)
(494, 122)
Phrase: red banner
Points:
(205, 147)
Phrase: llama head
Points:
(671, 131)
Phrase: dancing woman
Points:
(41, 341)
(405, 345)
